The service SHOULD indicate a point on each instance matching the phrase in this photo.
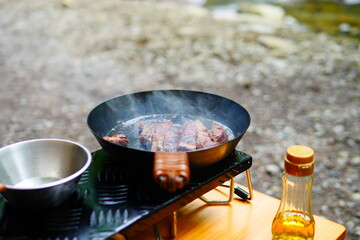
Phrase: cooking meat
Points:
(146, 133)
(171, 142)
(169, 137)
(217, 134)
(120, 139)
(203, 139)
(159, 136)
(156, 135)
(188, 137)
(152, 134)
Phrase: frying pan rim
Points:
(170, 90)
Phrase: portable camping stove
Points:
(118, 199)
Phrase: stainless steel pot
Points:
(41, 173)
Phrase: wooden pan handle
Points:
(2, 187)
(171, 170)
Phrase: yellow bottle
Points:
(294, 219)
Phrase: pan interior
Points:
(109, 115)
(131, 130)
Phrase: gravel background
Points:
(59, 59)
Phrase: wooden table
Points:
(237, 220)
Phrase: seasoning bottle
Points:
(294, 219)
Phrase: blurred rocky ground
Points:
(59, 59)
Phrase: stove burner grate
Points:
(114, 197)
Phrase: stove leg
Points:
(174, 225)
(173, 217)
(157, 232)
(222, 202)
(246, 196)
(248, 179)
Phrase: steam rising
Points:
(170, 102)
(173, 103)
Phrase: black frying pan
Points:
(113, 112)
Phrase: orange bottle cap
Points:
(299, 161)
(300, 154)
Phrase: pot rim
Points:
(56, 182)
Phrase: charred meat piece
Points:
(203, 139)
(172, 138)
(146, 133)
(120, 139)
(217, 134)
(188, 137)
(158, 136)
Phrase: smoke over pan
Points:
(113, 112)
